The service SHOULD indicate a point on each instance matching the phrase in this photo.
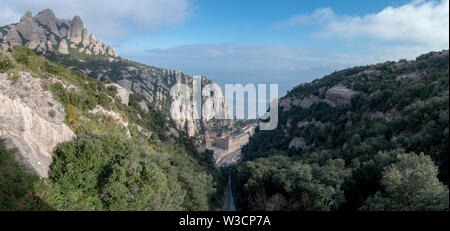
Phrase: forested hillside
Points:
(123, 157)
(371, 138)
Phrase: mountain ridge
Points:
(67, 42)
(46, 33)
(340, 137)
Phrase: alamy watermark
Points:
(218, 106)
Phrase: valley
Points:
(84, 129)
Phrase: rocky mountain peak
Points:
(27, 15)
(45, 33)
(47, 17)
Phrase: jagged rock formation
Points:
(335, 96)
(32, 121)
(44, 32)
(154, 84)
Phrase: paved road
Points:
(228, 203)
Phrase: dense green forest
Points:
(105, 167)
(385, 150)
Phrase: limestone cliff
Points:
(46, 33)
(32, 121)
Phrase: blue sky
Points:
(285, 42)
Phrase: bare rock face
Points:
(305, 102)
(63, 49)
(32, 121)
(64, 32)
(13, 37)
(35, 32)
(34, 42)
(47, 17)
(339, 95)
(85, 38)
(336, 96)
(143, 105)
(297, 143)
(76, 30)
(111, 52)
(122, 93)
(30, 30)
(92, 39)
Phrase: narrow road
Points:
(228, 202)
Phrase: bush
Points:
(16, 184)
(6, 61)
(410, 184)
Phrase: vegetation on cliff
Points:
(370, 147)
(109, 166)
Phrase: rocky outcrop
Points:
(111, 52)
(85, 38)
(122, 93)
(12, 37)
(336, 96)
(32, 121)
(339, 95)
(155, 83)
(63, 49)
(47, 18)
(43, 29)
(49, 33)
(297, 143)
(143, 105)
(92, 39)
(76, 30)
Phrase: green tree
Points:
(411, 183)
(17, 184)
(6, 61)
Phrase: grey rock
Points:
(76, 30)
(297, 143)
(64, 32)
(47, 17)
(34, 42)
(32, 121)
(339, 95)
(53, 40)
(110, 51)
(28, 27)
(85, 38)
(49, 46)
(92, 39)
(63, 49)
(13, 37)
(143, 106)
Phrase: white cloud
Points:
(106, 17)
(424, 23)
(8, 16)
(319, 16)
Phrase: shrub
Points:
(6, 61)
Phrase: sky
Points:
(287, 42)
